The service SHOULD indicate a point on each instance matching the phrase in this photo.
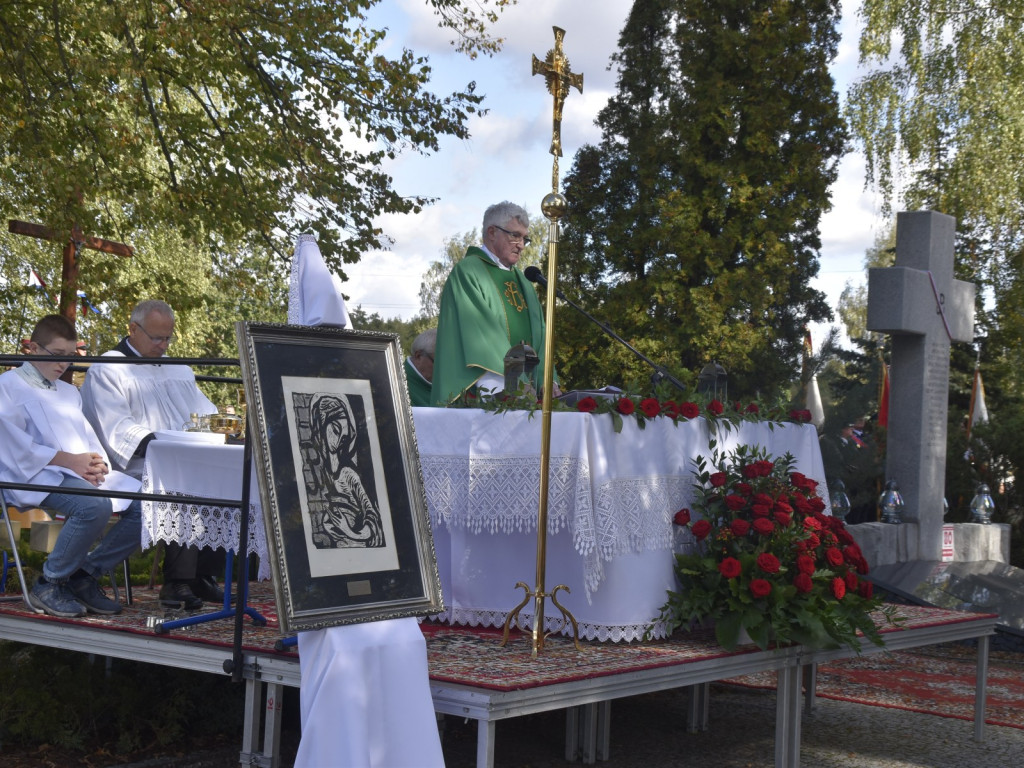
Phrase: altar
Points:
(611, 500)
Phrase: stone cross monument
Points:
(925, 309)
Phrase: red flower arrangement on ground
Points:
(768, 560)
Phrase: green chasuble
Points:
(485, 310)
(419, 388)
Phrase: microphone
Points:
(534, 275)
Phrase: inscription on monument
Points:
(936, 393)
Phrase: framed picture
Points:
(339, 475)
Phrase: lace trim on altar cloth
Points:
(204, 526)
(635, 514)
(604, 633)
(499, 494)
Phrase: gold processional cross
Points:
(560, 79)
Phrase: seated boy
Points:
(45, 439)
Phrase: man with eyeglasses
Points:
(487, 307)
(419, 367)
(127, 405)
(46, 440)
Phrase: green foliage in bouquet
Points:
(642, 408)
(768, 560)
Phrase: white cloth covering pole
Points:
(365, 698)
(365, 691)
(314, 292)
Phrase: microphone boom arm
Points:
(660, 373)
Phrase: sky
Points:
(507, 154)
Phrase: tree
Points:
(433, 279)
(695, 221)
(944, 110)
(470, 24)
(250, 121)
(853, 302)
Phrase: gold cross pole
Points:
(556, 71)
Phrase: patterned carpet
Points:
(472, 655)
(937, 680)
(146, 609)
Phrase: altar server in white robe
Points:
(127, 405)
(45, 440)
(365, 692)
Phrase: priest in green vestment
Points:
(487, 306)
(419, 368)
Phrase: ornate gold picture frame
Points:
(334, 450)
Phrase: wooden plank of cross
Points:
(68, 303)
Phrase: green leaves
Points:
(941, 114)
(235, 118)
(694, 223)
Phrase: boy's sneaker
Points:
(55, 599)
(90, 594)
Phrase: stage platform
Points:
(473, 677)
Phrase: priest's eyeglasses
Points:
(515, 237)
(156, 339)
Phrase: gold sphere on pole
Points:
(554, 206)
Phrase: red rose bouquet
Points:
(767, 560)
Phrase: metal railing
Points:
(233, 666)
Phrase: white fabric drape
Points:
(179, 468)
(611, 499)
(365, 691)
(314, 292)
(365, 698)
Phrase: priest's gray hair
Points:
(500, 214)
(143, 309)
(425, 342)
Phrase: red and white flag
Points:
(35, 281)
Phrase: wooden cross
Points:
(556, 71)
(68, 303)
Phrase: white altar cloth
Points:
(610, 507)
(196, 469)
(611, 501)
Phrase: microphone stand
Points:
(660, 373)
